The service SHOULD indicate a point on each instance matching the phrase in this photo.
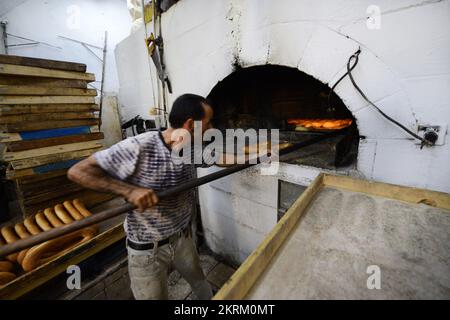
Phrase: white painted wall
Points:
(137, 76)
(85, 20)
(404, 67)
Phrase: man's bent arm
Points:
(90, 175)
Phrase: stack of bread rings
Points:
(31, 258)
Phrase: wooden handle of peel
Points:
(110, 213)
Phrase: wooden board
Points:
(44, 197)
(47, 116)
(391, 191)
(46, 133)
(46, 99)
(47, 159)
(33, 179)
(49, 168)
(32, 144)
(51, 124)
(43, 72)
(86, 196)
(44, 91)
(42, 82)
(48, 151)
(42, 184)
(247, 277)
(43, 63)
(7, 110)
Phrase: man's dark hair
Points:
(186, 106)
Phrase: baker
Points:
(158, 231)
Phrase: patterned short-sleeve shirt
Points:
(145, 161)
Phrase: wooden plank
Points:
(12, 174)
(44, 63)
(247, 274)
(43, 186)
(45, 99)
(47, 151)
(88, 197)
(47, 116)
(46, 133)
(4, 137)
(6, 110)
(46, 196)
(42, 160)
(31, 280)
(23, 181)
(32, 144)
(52, 124)
(27, 185)
(386, 190)
(43, 91)
(49, 192)
(42, 82)
(43, 72)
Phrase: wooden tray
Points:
(110, 231)
(318, 251)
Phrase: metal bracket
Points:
(26, 41)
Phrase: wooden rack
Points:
(48, 121)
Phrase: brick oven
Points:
(264, 65)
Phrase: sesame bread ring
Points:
(31, 226)
(10, 236)
(62, 214)
(21, 255)
(81, 208)
(6, 277)
(52, 218)
(76, 215)
(23, 233)
(13, 256)
(6, 266)
(51, 249)
(42, 221)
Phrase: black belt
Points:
(150, 245)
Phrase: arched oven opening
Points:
(269, 97)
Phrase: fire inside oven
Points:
(277, 97)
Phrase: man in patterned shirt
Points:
(158, 231)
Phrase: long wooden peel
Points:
(110, 213)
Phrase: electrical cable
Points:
(350, 67)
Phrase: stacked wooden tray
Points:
(48, 122)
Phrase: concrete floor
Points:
(216, 272)
(114, 283)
